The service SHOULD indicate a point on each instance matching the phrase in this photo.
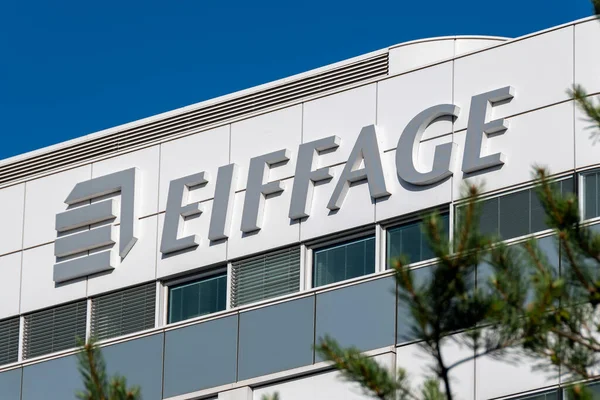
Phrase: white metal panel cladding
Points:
(54, 329)
(265, 276)
(127, 311)
(152, 131)
(9, 340)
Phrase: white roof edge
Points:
(191, 107)
(456, 37)
(229, 96)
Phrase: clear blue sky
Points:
(69, 68)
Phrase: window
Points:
(410, 240)
(344, 261)
(552, 395)
(54, 329)
(124, 312)
(200, 297)
(9, 340)
(591, 198)
(265, 276)
(516, 214)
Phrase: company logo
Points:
(97, 241)
(363, 165)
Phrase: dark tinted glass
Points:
(201, 297)
(344, 261)
(488, 222)
(590, 189)
(540, 396)
(517, 214)
(410, 241)
(514, 214)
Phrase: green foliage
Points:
(274, 396)
(525, 308)
(98, 386)
(588, 105)
(374, 379)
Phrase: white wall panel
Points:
(540, 68)
(543, 137)
(147, 160)
(411, 56)
(357, 209)
(207, 253)
(407, 198)
(320, 386)
(343, 114)
(587, 57)
(10, 271)
(325, 386)
(277, 229)
(38, 289)
(139, 266)
(253, 137)
(11, 217)
(44, 198)
(416, 362)
(587, 141)
(515, 377)
(401, 98)
(204, 151)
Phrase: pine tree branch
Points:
(359, 368)
(577, 339)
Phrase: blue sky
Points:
(69, 68)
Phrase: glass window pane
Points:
(426, 251)
(590, 190)
(197, 298)
(488, 223)
(538, 214)
(567, 186)
(345, 261)
(410, 240)
(514, 214)
(541, 396)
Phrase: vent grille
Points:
(9, 341)
(194, 119)
(121, 313)
(266, 276)
(54, 329)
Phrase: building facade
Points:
(208, 248)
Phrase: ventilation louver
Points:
(124, 312)
(194, 119)
(265, 276)
(9, 341)
(54, 329)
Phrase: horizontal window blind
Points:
(54, 329)
(9, 340)
(120, 313)
(265, 276)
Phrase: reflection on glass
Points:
(410, 240)
(197, 298)
(344, 261)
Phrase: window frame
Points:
(518, 188)
(581, 175)
(338, 240)
(189, 279)
(409, 220)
